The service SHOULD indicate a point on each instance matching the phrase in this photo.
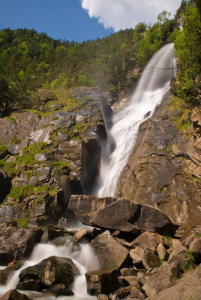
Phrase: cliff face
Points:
(164, 167)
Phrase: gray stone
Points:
(134, 218)
(109, 253)
(42, 156)
(165, 277)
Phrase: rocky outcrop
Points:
(164, 277)
(159, 171)
(15, 241)
(120, 214)
(109, 253)
(187, 287)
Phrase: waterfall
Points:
(153, 85)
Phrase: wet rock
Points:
(42, 156)
(7, 272)
(52, 232)
(150, 260)
(15, 241)
(134, 218)
(101, 282)
(50, 271)
(29, 285)
(14, 295)
(110, 254)
(91, 158)
(188, 287)
(61, 290)
(150, 241)
(164, 277)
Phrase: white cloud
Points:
(122, 14)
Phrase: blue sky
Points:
(81, 20)
(64, 19)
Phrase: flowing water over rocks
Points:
(153, 85)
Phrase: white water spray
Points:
(153, 84)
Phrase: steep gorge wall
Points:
(163, 168)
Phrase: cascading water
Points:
(123, 133)
(122, 130)
(83, 258)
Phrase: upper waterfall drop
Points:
(154, 83)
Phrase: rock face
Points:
(161, 175)
(15, 241)
(165, 277)
(120, 214)
(7, 272)
(110, 254)
(102, 282)
(187, 287)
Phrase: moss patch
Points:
(9, 168)
(28, 154)
(60, 166)
(22, 222)
(181, 117)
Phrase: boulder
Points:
(14, 295)
(42, 156)
(188, 287)
(180, 259)
(150, 241)
(51, 232)
(164, 277)
(122, 293)
(101, 282)
(48, 273)
(110, 254)
(134, 217)
(103, 297)
(150, 260)
(15, 241)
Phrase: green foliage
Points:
(15, 141)
(190, 260)
(28, 154)
(188, 51)
(169, 240)
(22, 222)
(11, 119)
(9, 168)
(198, 235)
(61, 166)
(17, 194)
(161, 262)
(3, 149)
